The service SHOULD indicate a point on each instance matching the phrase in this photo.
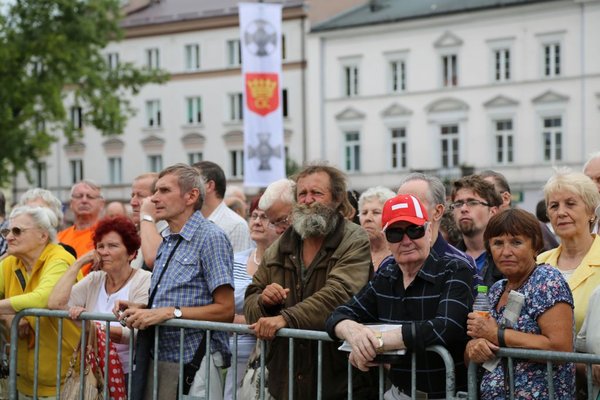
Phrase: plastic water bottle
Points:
(482, 304)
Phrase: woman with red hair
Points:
(116, 243)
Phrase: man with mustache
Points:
(474, 202)
(314, 267)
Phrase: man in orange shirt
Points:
(87, 204)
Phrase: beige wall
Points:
(320, 10)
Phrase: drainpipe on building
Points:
(303, 85)
(583, 102)
(322, 95)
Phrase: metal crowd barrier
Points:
(234, 329)
(549, 357)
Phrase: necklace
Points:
(256, 261)
(120, 287)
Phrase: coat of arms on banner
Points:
(262, 92)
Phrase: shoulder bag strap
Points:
(162, 273)
(21, 278)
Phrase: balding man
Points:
(592, 169)
(87, 203)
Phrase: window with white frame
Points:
(77, 117)
(234, 53)
(153, 117)
(449, 70)
(552, 59)
(397, 76)
(236, 106)
(502, 65)
(504, 141)
(115, 170)
(41, 174)
(398, 148)
(350, 74)
(450, 146)
(152, 58)
(155, 163)
(194, 110)
(352, 151)
(236, 163)
(192, 57)
(76, 169)
(552, 137)
(112, 59)
(195, 157)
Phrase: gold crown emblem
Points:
(262, 91)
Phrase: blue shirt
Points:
(3, 243)
(443, 248)
(202, 262)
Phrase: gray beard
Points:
(316, 220)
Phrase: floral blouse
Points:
(544, 288)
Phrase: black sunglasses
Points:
(395, 235)
(16, 231)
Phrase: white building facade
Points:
(512, 87)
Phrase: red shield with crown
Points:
(262, 92)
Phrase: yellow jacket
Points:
(583, 281)
(48, 269)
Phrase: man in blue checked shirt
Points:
(192, 279)
(425, 295)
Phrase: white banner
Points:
(260, 40)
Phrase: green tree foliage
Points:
(51, 49)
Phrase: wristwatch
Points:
(147, 217)
(177, 312)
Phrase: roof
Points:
(166, 11)
(388, 11)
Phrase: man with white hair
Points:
(277, 202)
(592, 169)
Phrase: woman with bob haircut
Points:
(513, 237)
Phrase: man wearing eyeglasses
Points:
(316, 265)
(87, 203)
(428, 297)
(474, 202)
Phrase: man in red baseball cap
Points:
(426, 294)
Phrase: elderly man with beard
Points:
(319, 263)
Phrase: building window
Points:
(194, 110)
(398, 148)
(284, 103)
(195, 157)
(449, 70)
(283, 48)
(76, 117)
(152, 58)
(237, 163)
(153, 117)
(501, 65)
(192, 57)
(449, 137)
(552, 135)
(76, 167)
(552, 59)
(352, 151)
(115, 170)
(397, 76)
(155, 163)
(112, 59)
(236, 107)
(504, 141)
(41, 175)
(234, 53)
(350, 80)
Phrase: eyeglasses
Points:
(80, 196)
(395, 235)
(457, 205)
(258, 217)
(16, 231)
(280, 223)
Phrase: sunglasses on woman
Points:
(16, 231)
(395, 235)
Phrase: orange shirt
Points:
(80, 240)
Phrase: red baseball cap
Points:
(404, 207)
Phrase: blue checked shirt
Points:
(3, 243)
(202, 262)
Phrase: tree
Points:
(51, 49)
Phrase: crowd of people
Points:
(308, 253)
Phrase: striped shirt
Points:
(432, 310)
(202, 262)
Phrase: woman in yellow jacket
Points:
(27, 276)
(571, 199)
